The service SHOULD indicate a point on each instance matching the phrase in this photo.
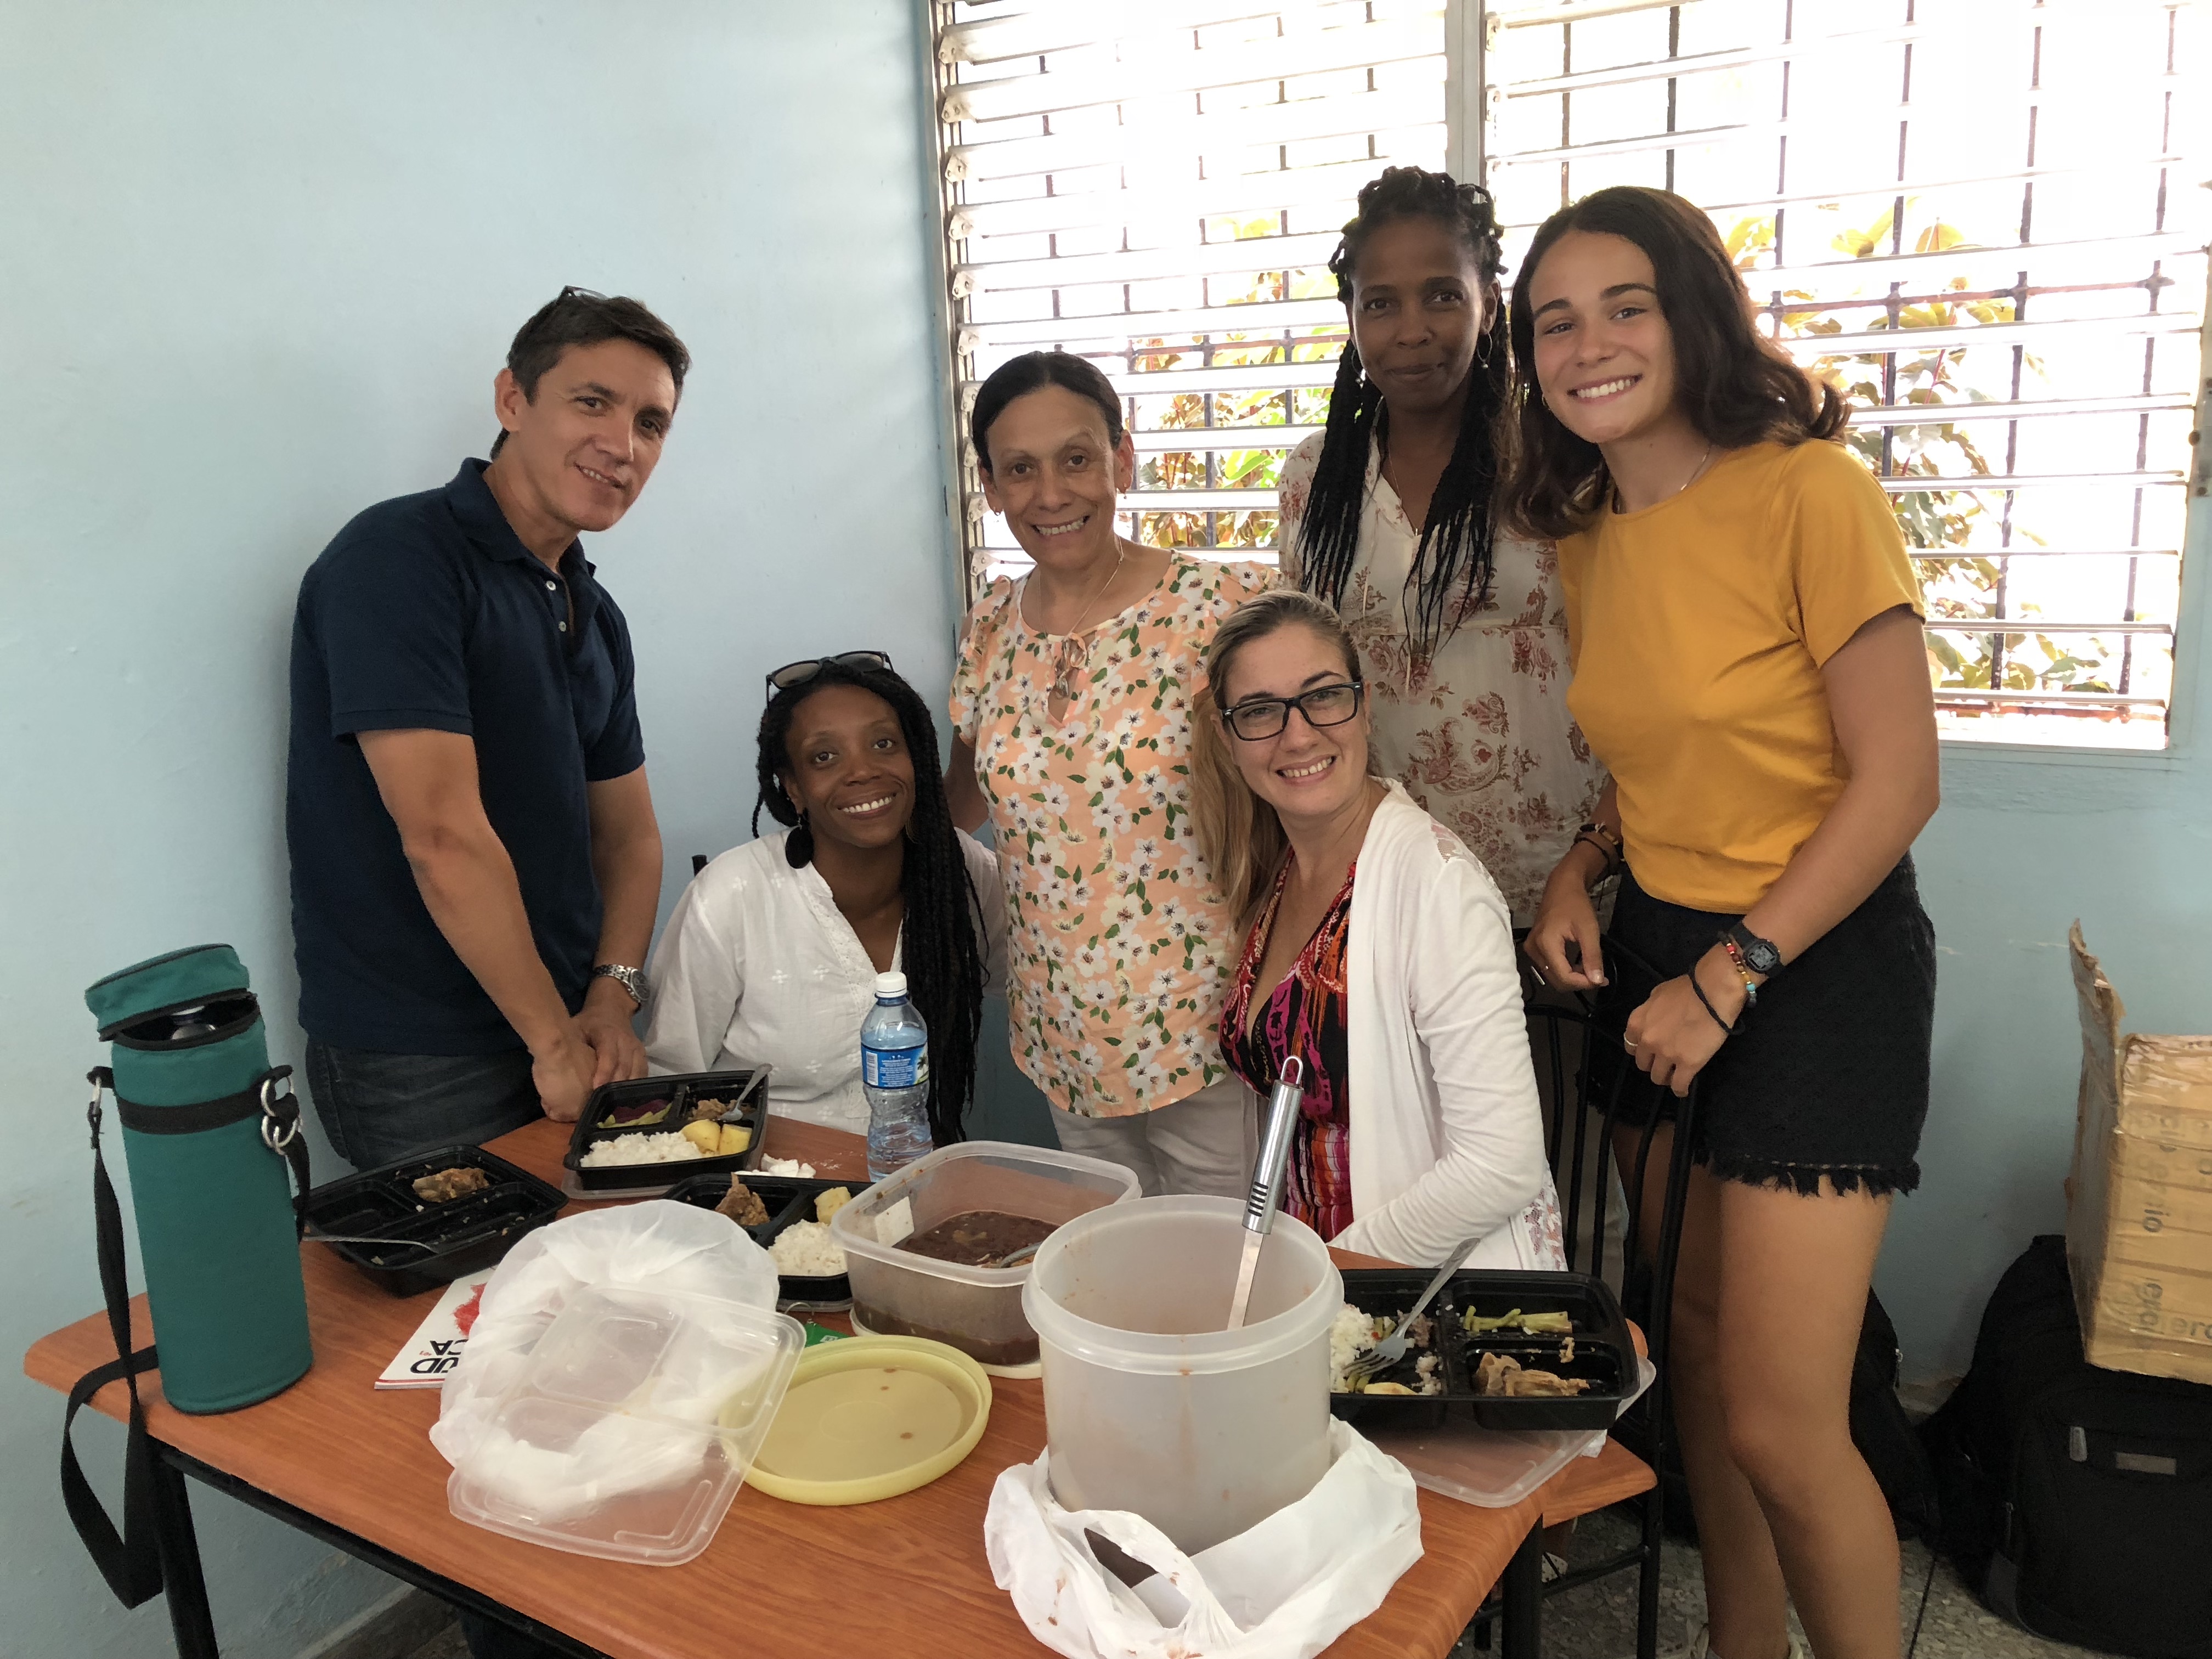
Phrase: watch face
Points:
(1758, 956)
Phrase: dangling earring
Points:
(798, 845)
(1483, 349)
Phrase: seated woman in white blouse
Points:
(772, 953)
(1378, 951)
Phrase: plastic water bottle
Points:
(895, 1077)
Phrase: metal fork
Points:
(1392, 1348)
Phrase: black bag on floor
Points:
(2076, 1501)
(1880, 1429)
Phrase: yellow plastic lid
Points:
(869, 1418)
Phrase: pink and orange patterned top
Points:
(1117, 937)
(1478, 731)
(1308, 1014)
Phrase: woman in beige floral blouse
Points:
(1071, 709)
(1387, 515)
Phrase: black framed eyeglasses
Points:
(1256, 717)
(797, 673)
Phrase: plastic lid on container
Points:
(632, 1425)
(891, 985)
(871, 1417)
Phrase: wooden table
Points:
(353, 1466)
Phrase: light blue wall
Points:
(258, 263)
(2023, 846)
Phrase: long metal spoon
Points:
(1266, 1196)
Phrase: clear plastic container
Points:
(1150, 1405)
(977, 1310)
(632, 1426)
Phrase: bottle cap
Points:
(891, 985)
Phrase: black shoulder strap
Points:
(129, 1561)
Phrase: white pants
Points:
(1203, 1143)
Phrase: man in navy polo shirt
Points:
(475, 861)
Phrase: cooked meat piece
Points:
(448, 1185)
(1492, 1372)
(1526, 1384)
(708, 1111)
(743, 1205)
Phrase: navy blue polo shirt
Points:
(427, 611)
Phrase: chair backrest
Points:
(1591, 1087)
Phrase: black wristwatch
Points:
(1760, 955)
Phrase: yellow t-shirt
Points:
(1697, 630)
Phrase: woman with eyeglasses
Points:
(1072, 707)
(1388, 514)
(1377, 949)
(772, 953)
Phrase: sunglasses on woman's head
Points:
(1256, 717)
(797, 673)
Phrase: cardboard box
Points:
(2139, 1203)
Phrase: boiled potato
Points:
(828, 1204)
(735, 1138)
(706, 1137)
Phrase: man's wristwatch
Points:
(632, 980)
(1760, 956)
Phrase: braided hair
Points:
(1456, 551)
(944, 914)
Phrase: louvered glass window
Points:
(2008, 182)
(1164, 201)
(1980, 219)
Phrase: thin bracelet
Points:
(1613, 860)
(1727, 1030)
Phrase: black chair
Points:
(1589, 1087)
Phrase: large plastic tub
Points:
(977, 1310)
(1150, 1405)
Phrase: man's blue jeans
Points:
(378, 1109)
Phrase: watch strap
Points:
(632, 980)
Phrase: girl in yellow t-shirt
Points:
(1745, 632)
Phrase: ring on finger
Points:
(1628, 1043)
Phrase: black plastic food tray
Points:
(787, 1199)
(465, 1235)
(747, 1088)
(1604, 1351)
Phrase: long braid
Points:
(1452, 571)
(943, 913)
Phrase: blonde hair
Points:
(1239, 833)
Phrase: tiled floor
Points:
(1598, 1621)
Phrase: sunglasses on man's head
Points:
(797, 673)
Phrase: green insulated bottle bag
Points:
(211, 1133)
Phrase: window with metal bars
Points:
(1163, 200)
(2008, 182)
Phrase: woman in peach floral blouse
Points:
(1070, 710)
(1387, 516)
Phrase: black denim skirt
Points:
(1828, 1075)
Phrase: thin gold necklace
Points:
(1698, 471)
(1071, 653)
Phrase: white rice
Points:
(806, 1248)
(1351, 1335)
(641, 1149)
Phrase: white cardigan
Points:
(1447, 1140)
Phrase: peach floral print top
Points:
(1479, 731)
(1118, 942)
